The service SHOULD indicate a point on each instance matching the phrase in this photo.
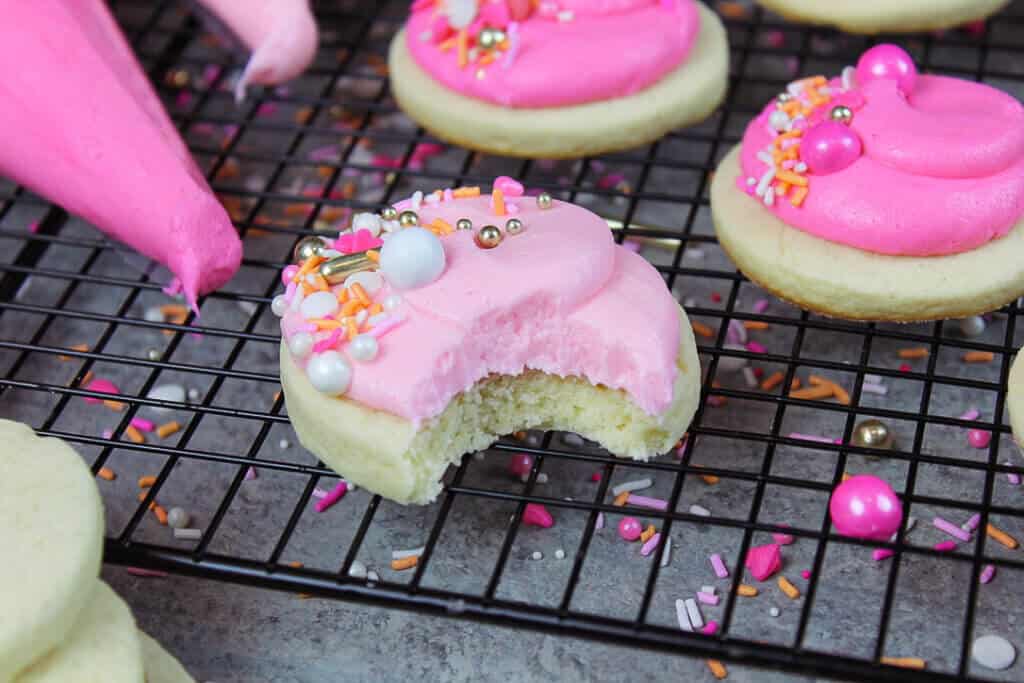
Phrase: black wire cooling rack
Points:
(290, 161)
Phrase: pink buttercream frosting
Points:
(941, 169)
(566, 52)
(560, 297)
(80, 124)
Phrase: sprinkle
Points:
(783, 539)
(634, 485)
(710, 479)
(537, 515)
(701, 329)
(147, 481)
(648, 533)
(1012, 477)
(462, 44)
(772, 381)
(837, 391)
(746, 590)
(798, 196)
(915, 352)
(150, 573)
(791, 591)
(760, 306)
(107, 473)
(971, 524)
(945, 546)
(336, 494)
(987, 573)
(812, 393)
(134, 435)
(693, 612)
(774, 611)
(978, 357)
(754, 325)
(621, 499)
(645, 502)
(755, 347)
(600, 521)
(250, 474)
(101, 386)
(971, 414)
(700, 511)
(717, 669)
(879, 554)
(650, 544)
(142, 424)
(465, 192)
(319, 493)
(707, 598)
(999, 535)
(681, 617)
(719, 566)
(806, 574)
(810, 437)
(161, 514)
(710, 628)
(188, 534)
(498, 201)
(979, 438)
(405, 563)
(874, 388)
(666, 553)
(116, 406)
(402, 554)
(905, 662)
(951, 529)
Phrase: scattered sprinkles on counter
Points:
(343, 296)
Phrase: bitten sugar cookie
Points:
(894, 16)
(161, 667)
(569, 78)
(51, 532)
(880, 195)
(487, 314)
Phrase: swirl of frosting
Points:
(563, 53)
(941, 169)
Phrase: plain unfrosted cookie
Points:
(686, 96)
(1015, 398)
(51, 532)
(878, 16)
(103, 646)
(388, 455)
(844, 282)
(161, 666)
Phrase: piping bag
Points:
(282, 35)
(81, 125)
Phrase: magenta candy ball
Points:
(979, 438)
(829, 147)
(630, 528)
(890, 62)
(865, 507)
(520, 464)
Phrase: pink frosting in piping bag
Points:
(281, 33)
(942, 169)
(609, 48)
(80, 125)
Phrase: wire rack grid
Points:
(291, 161)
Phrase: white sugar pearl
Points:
(392, 302)
(300, 344)
(973, 326)
(412, 258)
(369, 280)
(778, 120)
(279, 305)
(177, 518)
(993, 652)
(774, 611)
(329, 373)
(461, 13)
(319, 305)
(367, 221)
(363, 348)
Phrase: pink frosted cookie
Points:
(886, 16)
(882, 194)
(456, 317)
(559, 78)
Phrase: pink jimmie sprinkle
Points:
(319, 493)
(600, 521)
(806, 573)
(879, 554)
(971, 414)
(719, 566)
(152, 573)
(652, 543)
(783, 539)
(1013, 478)
(763, 561)
(329, 342)
(385, 326)
(102, 386)
(142, 424)
(645, 502)
(987, 573)
(336, 494)
(951, 529)
(707, 598)
(945, 546)
(537, 515)
(972, 523)
(811, 437)
(760, 306)
(754, 347)
(979, 438)
(710, 628)
(250, 473)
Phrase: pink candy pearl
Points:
(865, 507)
(288, 273)
(890, 62)
(829, 147)
(520, 464)
(979, 438)
(630, 528)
